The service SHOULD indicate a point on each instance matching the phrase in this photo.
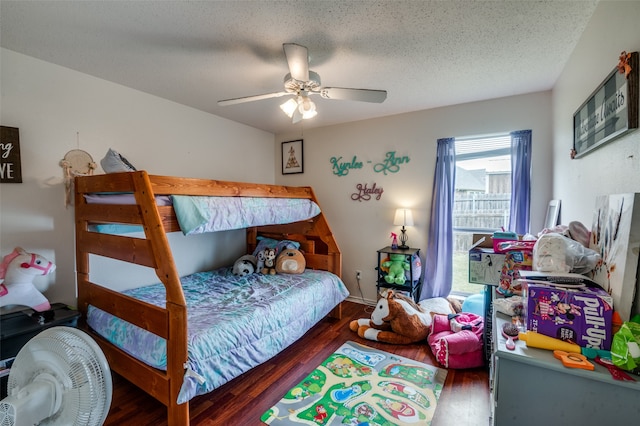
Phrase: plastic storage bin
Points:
(499, 237)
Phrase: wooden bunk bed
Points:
(153, 251)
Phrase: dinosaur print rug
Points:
(360, 385)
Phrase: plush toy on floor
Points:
(399, 320)
(397, 265)
(17, 271)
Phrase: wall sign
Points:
(365, 193)
(610, 111)
(341, 168)
(10, 166)
(390, 164)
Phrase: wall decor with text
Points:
(10, 165)
(365, 192)
(389, 164)
(610, 111)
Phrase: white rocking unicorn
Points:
(17, 272)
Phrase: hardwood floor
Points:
(464, 400)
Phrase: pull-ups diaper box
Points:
(578, 315)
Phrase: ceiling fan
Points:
(301, 83)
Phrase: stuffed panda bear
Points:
(245, 265)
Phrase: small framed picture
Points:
(292, 160)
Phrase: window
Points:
(482, 198)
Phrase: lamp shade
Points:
(300, 108)
(289, 107)
(404, 217)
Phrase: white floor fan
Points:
(60, 377)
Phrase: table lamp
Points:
(403, 218)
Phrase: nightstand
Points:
(413, 277)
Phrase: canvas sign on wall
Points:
(10, 164)
(615, 235)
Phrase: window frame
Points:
(460, 289)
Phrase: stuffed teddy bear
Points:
(17, 271)
(269, 261)
(397, 265)
(290, 261)
(245, 265)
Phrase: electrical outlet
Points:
(358, 274)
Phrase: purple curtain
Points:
(519, 217)
(438, 266)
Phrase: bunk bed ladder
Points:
(153, 251)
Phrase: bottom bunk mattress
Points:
(234, 323)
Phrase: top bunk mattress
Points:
(200, 214)
(234, 323)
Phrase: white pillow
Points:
(115, 163)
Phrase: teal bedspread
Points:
(234, 323)
(197, 215)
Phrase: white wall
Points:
(361, 227)
(51, 105)
(614, 167)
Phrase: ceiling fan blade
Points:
(298, 60)
(363, 95)
(234, 101)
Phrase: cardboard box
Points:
(484, 264)
(578, 315)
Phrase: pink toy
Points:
(456, 340)
(17, 271)
(394, 241)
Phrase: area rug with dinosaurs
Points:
(360, 385)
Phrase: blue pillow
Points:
(113, 162)
(279, 245)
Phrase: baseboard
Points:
(362, 301)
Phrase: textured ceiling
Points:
(426, 54)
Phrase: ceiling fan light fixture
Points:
(299, 108)
(289, 107)
(309, 114)
(301, 82)
(306, 107)
(297, 116)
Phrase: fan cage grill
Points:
(7, 414)
(78, 364)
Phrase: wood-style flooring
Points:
(464, 400)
